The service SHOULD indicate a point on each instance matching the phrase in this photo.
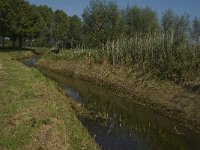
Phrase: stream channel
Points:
(118, 124)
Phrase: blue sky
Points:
(72, 7)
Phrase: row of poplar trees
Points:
(101, 21)
(40, 25)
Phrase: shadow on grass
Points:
(11, 49)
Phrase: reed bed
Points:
(162, 55)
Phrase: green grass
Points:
(33, 113)
(17, 53)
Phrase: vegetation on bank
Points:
(34, 114)
(180, 66)
(178, 101)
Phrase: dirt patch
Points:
(49, 137)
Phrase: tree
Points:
(150, 21)
(140, 20)
(6, 18)
(168, 22)
(75, 31)
(182, 29)
(61, 26)
(175, 27)
(196, 30)
(26, 21)
(101, 22)
(46, 37)
(114, 22)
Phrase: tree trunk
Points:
(3, 42)
(20, 42)
(14, 41)
(63, 45)
(72, 43)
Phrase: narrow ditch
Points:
(116, 124)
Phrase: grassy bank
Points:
(33, 113)
(18, 54)
(177, 101)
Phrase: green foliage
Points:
(75, 33)
(19, 19)
(27, 20)
(176, 28)
(60, 27)
(45, 37)
(6, 17)
(196, 30)
(168, 20)
(142, 20)
(101, 21)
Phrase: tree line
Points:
(37, 25)
(101, 22)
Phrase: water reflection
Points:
(30, 62)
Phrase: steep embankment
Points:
(178, 102)
(34, 114)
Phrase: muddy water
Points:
(117, 124)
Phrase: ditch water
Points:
(117, 124)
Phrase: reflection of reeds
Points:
(177, 131)
(111, 127)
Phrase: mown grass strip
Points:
(34, 114)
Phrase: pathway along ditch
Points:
(117, 124)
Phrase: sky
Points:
(75, 7)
